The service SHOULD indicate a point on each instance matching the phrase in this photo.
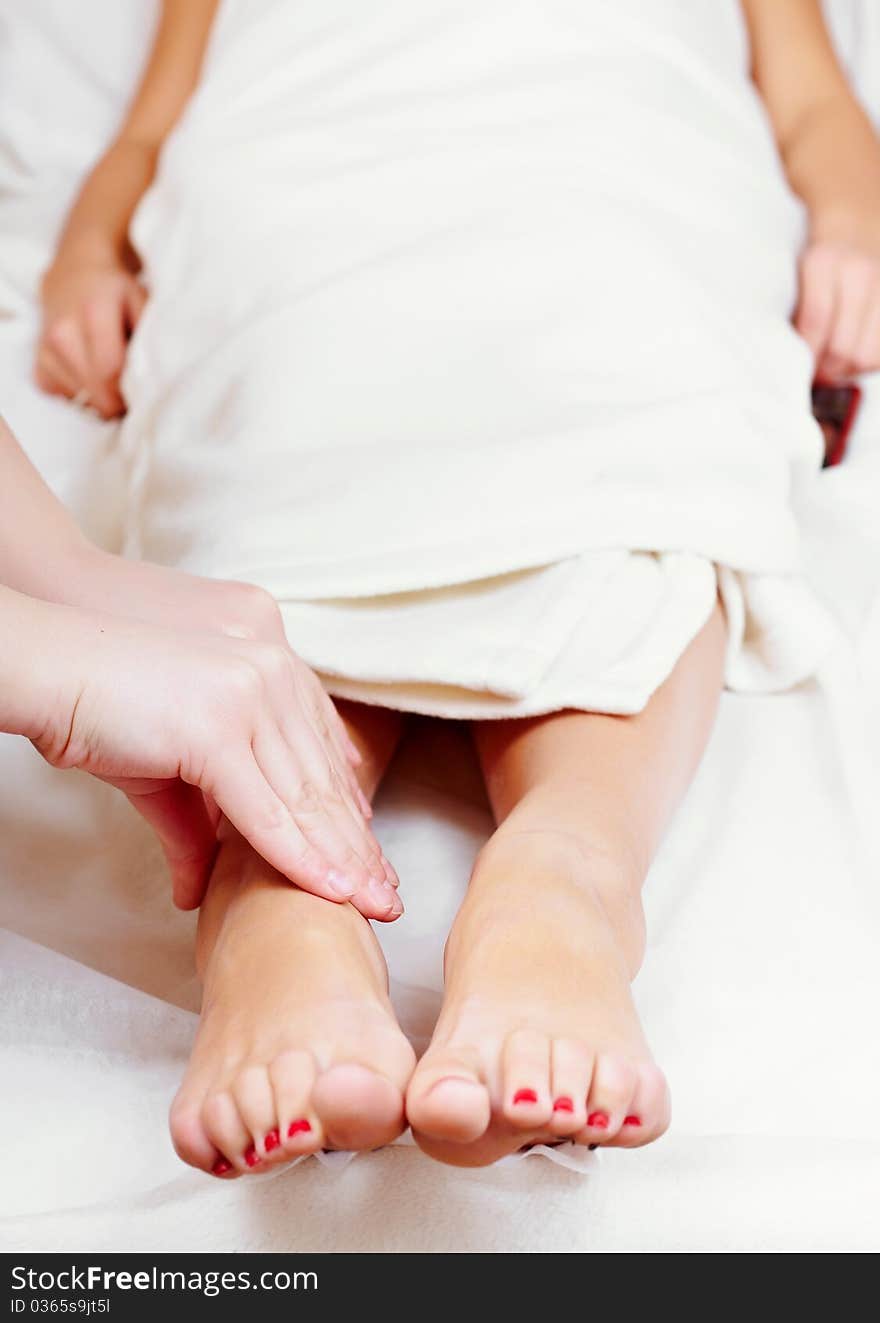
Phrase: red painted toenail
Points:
(525, 1096)
(632, 1120)
(598, 1120)
(252, 1157)
(298, 1128)
(221, 1167)
(563, 1105)
(272, 1140)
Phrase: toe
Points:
(191, 1141)
(570, 1074)
(293, 1076)
(611, 1091)
(448, 1100)
(526, 1102)
(357, 1108)
(647, 1114)
(255, 1100)
(227, 1131)
(453, 1109)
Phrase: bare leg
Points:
(297, 1048)
(538, 1030)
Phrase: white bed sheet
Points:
(761, 986)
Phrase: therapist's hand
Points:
(161, 595)
(183, 722)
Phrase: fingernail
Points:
(301, 1127)
(252, 1157)
(339, 885)
(390, 876)
(632, 1120)
(383, 895)
(221, 1167)
(563, 1105)
(525, 1096)
(598, 1120)
(272, 1140)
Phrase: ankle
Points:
(576, 876)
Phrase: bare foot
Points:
(538, 1039)
(298, 1048)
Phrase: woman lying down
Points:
(466, 331)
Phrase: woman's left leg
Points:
(538, 1037)
(298, 1047)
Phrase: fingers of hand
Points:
(135, 300)
(241, 789)
(52, 373)
(333, 743)
(83, 345)
(61, 358)
(317, 802)
(334, 720)
(305, 707)
(839, 311)
(815, 310)
(329, 757)
(66, 366)
(278, 782)
(330, 731)
(106, 343)
(868, 353)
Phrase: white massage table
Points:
(760, 991)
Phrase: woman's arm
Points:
(831, 156)
(826, 140)
(91, 299)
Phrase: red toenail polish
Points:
(525, 1096)
(252, 1157)
(598, 1120)
(563, 1105)
(632, 1120)
(221, 1167)
(272, 1140)
(298, 1128)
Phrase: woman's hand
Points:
(91, 299)
(831, 156)
(185, 722)
(90, 309)
(181, 722)
(838, 311)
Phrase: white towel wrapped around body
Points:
(469, 339)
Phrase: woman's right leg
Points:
(538, 1038)
(298, 1047)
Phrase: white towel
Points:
(469, 339)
